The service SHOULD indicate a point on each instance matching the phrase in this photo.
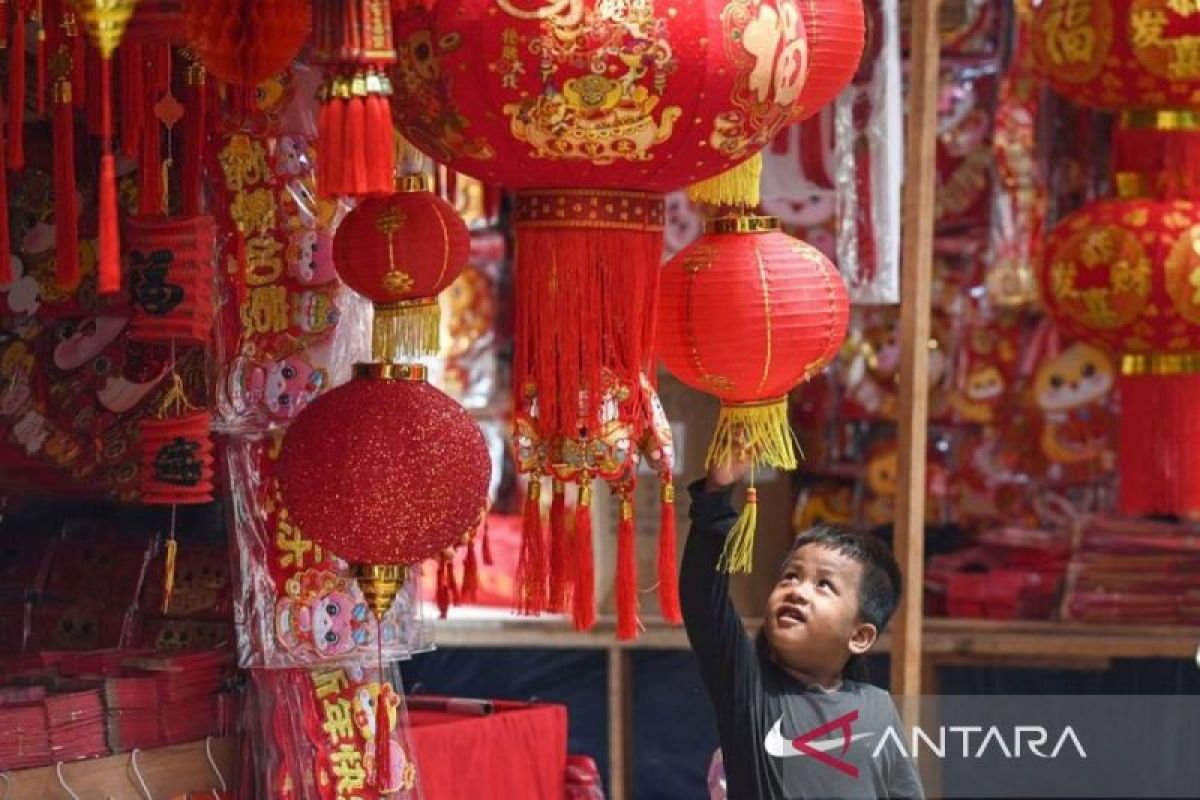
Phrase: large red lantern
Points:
(385, 471)
(244, 42)
(400, 251)
(1122, 274)
(836, 36)
(746, 313)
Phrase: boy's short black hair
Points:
(881, 582)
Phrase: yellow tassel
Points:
(738, 554)
(735, 187)
(406, 331)
(169, 574)
(759, 432)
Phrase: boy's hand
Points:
(727, 474)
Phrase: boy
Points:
(791, 725)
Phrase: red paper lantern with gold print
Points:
(836, 36)
(400, 251)
(746, 313)
(1122, 274)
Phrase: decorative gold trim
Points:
(722, 225)
(766, 298)
(403, 304)
(380, 583)
(1161, 364)
(1130, 184)
(414, 183)
(1161, 119)
(774, 401)
(389, 371)
(627, 194)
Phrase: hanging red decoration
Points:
(16, 86)
(746, 313)
(400, 251)
(171, 272)
(244, 42)
(66, 201)
(836, 36)
(177, 459)
(385, 471)
(355, 139)
(105, 22)
(1119, 274)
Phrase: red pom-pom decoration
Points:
(244, 42)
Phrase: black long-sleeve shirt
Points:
(780, 739)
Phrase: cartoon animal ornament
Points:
(1072, 390)
(320, 614)
(364, 704)
(310, 256)
(285, 387)
(980, 395)
(883, 469)
(825, 503)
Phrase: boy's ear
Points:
(862, 638)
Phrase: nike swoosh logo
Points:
(778, 746)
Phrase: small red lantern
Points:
(177, 459)
(836, 36)
(385, 471)
(400, 251)
(1121, 274)
(746, 313)
(244, 42)
(171, 275)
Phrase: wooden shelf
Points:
(1065, 641)
(168, 771)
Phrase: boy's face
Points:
(812, 621)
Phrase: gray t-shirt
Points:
(780, 739)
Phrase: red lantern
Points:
(746, 313)
(171, 273)
(177, 459)
(1122, 274)
(385, 471)
(400, 251)
(836, 36)
(244, 42)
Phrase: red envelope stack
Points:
(23, 738)
(133, 712)
(75, 721)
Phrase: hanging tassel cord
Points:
(584, 596)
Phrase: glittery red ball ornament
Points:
(244, 42)
(385, 469)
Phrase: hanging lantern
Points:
(385, 471)
(836, 36)
(171, 274)
(105, 22)
(177, 458)
(1120, 274)
(591, 111)
(245, 42)
(400, 251)
(746, 313)
(355, 139)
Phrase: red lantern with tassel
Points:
(105, 22)
(355, 139)
(1120, 274)
(400, 251)
(746, 313)
(172, 275)
(836, 36)
(244, 42)
(177, 457)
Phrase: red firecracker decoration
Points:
(105, 22)
(1120, 274)
(400, 251)
(355, 138)
(171, 271)
(836, 35)
(746, 313)
(591, 113)
(244, 42)
(385, 471)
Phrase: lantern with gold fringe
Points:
(746, 313)
(400, 251)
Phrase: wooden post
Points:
(620, 724)
(916, 267)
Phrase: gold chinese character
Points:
(253, 211)
(329, 681)
(266, 310)
(243, 162)
(338, 723)
(264, 264)
(348, 768)
(292, 546)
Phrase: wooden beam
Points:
(620, 725)
(915, 279)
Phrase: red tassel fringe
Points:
(110, 231)
(1169, 160)
(93, 102)
(66, 203)
(195, 136)
(627, 598)
(40, 62)
(385, 781)
(356, 146)
(486, 555)
(584, 600)
(531, 568)
(130, 68)
(1159, 445)
(668, 575)
(556, 601)
(470, 581)
(443, 588)
(6, 274)
(16, 92)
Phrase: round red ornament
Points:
(1121, 274)
(244, 42)
(746, 313)
(385, 471)
(836, 35)
(400, 251)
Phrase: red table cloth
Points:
(518, 751)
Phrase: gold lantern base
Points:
(380, 583)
